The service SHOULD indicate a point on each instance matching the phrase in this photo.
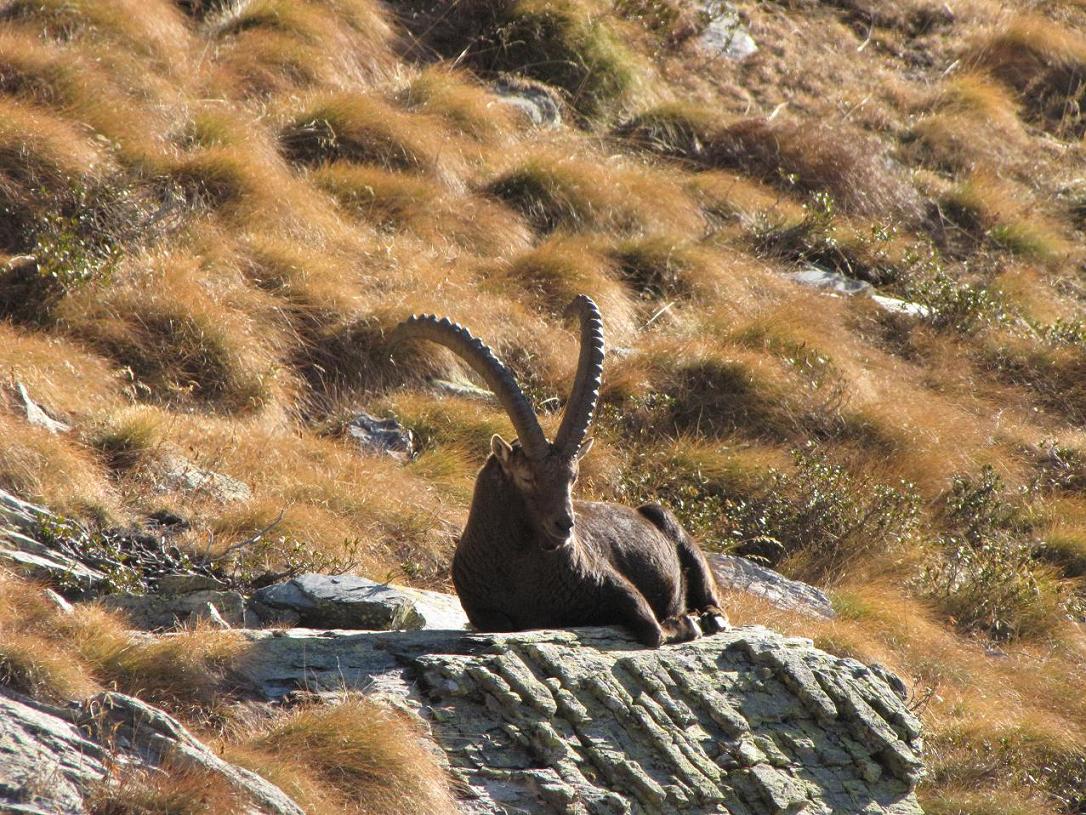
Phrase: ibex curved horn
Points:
(479, 356)
(586, 385)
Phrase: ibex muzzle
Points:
(532, 557)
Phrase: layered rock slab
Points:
(587, 721)
(52, 758)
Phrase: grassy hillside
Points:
(230, 204)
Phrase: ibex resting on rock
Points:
(532, 557)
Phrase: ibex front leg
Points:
(634, 611)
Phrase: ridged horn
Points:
(586, 385)
(479, 356)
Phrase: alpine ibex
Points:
(532, 557)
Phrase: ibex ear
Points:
(501, 449)
(586, 445)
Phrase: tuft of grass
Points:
(367, 130)
(372, 758)
(849, 166)
(1045, 63)
(556, 271)
(992, 209)
(570, 44)
(665, 266)
(554, 192)
(128, 435)
(167, 790)
(393, 201)
(56, 470)
(178, 340)
(153, 29)
(31, 661)
(462, 103)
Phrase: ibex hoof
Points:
(680, 629)
(714, 624)
(714, 620)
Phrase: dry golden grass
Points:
(1044, 62)
(314, 185)
(461, 102)
(1002, 213)
(53, 469)
(183, 330)
(272, 46)
(558, 192)
(847, 164)
(357, 756)
(368, 130)
(165, 791)
(391, 200)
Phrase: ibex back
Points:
(532, 557)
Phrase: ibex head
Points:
(542, 472)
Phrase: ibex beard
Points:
(532, 557)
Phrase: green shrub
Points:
(824, 517)
(987, 577)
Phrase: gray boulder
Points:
(381, 436)
(52, 758)
(151, 612)
(741, 574)
(339, 601)
(746, 722)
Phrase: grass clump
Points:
(463, 104)
(663, 267)
(165, 790)
(555, 192)
(363, 129)
(365, 757)
(572, 45)
(847, 165)
(993, 210)
(1046, 64)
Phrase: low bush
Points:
(987, 576)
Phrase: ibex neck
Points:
(498, 516)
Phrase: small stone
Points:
(36, 415)
(381, 436)
(179, 473)
(725, 35)
(539, 103)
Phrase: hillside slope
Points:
(211, 213)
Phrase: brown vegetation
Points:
(230, 205)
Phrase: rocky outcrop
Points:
(741, 574)
(20, 548)
(52, 758)
(586, 721)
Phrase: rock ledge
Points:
(587, 721)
